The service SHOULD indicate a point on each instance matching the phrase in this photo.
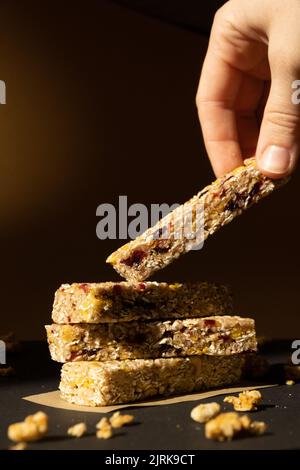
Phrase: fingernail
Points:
(275, 159)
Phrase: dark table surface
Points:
(165, 427)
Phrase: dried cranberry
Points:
(209, 322)
(226, 338)
(74, 356)
(117, 289)
(135, 258)
(142, 286)
(85, 288)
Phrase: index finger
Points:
(218, 88)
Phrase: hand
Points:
(245, 92)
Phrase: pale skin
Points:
(244, 98)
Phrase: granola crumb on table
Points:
(247, 400)
(119, 420)
(104, 429)
(19, 446)
(205, 411)
(226, 426)
(290, 382)
(33, 428)
(292, 372)
(78, 430)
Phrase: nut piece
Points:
(257, 428)
(33, 428)
(78, 430)
(205, 411)
(290, 382)
(117, 420)
(246, 401)
(104, 429)
(19, 446)
(292, 372)
(228, 425)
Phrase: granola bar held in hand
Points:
(108, 302)
(218, 335)
(214, 206)
(107, 383)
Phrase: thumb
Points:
(278, 143)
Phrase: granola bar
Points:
(214, 206)
(107, 383)
(121, 301)
(218, 335)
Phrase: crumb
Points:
(292, 373)
(246, 401)
(78, 430)
(226, 426)
(205, 411)
(33, 428)
(7, 371)
(117, 420)
(104, 429)
(19, 446)
(290, 382)
(257, 428)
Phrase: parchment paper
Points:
(54, 400)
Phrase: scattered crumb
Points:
(257, 428)
(33, 428)
(7, 371)
(19, 446)
(292, 373)
(78, 430)
(104, 429)
(290, 382)
(205, 411)
(226, 426)
(118, 420)
(246, 401)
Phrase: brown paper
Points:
(54, 400)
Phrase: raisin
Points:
(135, 258)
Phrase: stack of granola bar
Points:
(122, 342)
(132, 340)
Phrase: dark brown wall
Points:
(100, 102)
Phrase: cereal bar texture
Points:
(107, 383)
(222, 201)
(220, 335)
(121, 301)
